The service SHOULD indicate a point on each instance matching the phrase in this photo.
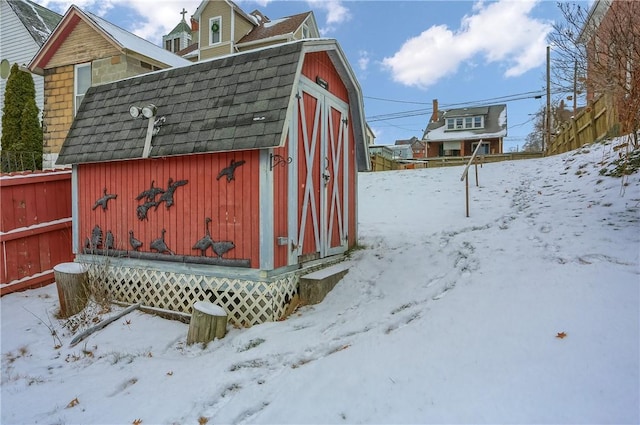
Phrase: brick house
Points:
(418, 147)
(85, 50)
(457, 132)
(611, 36)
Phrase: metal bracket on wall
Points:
(278, 160)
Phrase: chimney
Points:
(434, 114)
(194, 24)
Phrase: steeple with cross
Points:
(180, 37)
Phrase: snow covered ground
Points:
(441, 319)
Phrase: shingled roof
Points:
(237, 102)
(38, 20)
(275, 28)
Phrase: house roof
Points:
(121, 39)
(411, 141)
(276, 28)
(234, 6)
(38, 20)
(598, 10)
(237, 102)
(495, 124)
(182, 27)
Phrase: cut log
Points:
(72, 281)
(208, 321)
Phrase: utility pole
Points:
(548, 111)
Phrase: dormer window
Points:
(465, 123)
(305, 31)
(215, 29)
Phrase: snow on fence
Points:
(35, 227)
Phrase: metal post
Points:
(466, 187)
(476, 164)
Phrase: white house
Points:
(24, 27)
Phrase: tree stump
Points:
(208, 321)
(72, 282)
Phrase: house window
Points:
(176, 45)
(484, 149)
(465, 123)
(82, 82)
(167, 45)
(215, 29)
(305, 31)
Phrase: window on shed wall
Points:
(81, 83)
(215, 29)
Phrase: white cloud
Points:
(336, 12)
(363, 60)
(152, 19)
(500, 32)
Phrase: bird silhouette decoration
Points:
(96, 237)
(142, 210)
(109, 240)
(135, 243)
(222, 247)
(167, 196)
(159, 244)
(230, 170)
(151, 193)
(206, 242)
(102, 202)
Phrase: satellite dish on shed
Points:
(5, 69)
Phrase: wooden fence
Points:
(595, 122)
(35, 227)
(380, 163)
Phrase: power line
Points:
(476, 103)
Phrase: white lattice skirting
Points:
(247, 300)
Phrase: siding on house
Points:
(226, 46)
(58, 107)
(17, 46)
(83, 45)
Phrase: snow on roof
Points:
(137, 44)
(495, 125)
(39, 21)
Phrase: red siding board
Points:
(230, 208)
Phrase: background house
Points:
(418, 147)
(257, 145)
(457, 132)
(82, 51)
(221, 28)
(24, 28)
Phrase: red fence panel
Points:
(35, 227)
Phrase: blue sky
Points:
(404, 53)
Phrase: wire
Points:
(476, 103)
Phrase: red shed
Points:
(224, 180)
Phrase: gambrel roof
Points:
(237, 102)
